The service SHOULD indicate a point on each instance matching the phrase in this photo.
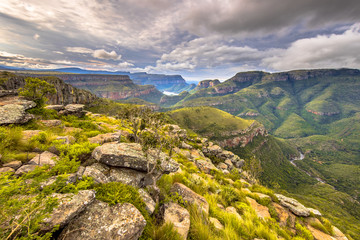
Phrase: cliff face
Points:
(207, 84)
(66, 94)
(115, 87)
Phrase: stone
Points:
(12, 110)
(190, 196)
(282, 213)
(149, 202)
(71, 178)
(220, 206)
(177, 215)
(6, 169)
(338, 234)
(55, 107)
(222, 166)
(196, 154)
(261, 211)
(130, 155)
(319, 235)
(25, 169)
(105, 138)
(245, 184)
(66, 139)
(95, 173)
(74, 107)
(51, 123)
(13, 164)
(217, 224)
(262, 196)
(316, 212)
(226, 171)
(293, 205)
(28, 134)
(233, 211)
(229, 164)
(238, 163)
(128, 176)
(101, 221)
(205, 166)
(246, 190)
(45, 158)
(70, 206)
(185, 145)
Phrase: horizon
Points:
(197, 40)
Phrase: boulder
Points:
(149, 202)
(185, 145)
(45, 158)
(55, 107)
(319, 235)
(12, 110)
(196, 154)
(96, 174)
(222, 166)
(13, 164)
(261, 211)
(205, 166)
(130, 155)
(190, 196)
(316, 212)
(74, 109)
(177, 215)
(238, 162)
(283, 214)
(25, 169)
(338, 234)
(217, 224)
(293, 205)
(106, 137)
(101, 221)
(70, 206)
(6, 169)
(229, 164)
(51, 123)
(262, 196)
(66, 139)
(129, 176)
(28, 134)
(233, 211)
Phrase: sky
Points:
(202, 39)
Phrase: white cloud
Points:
(102, 54)
(125, 65)
(79, 50)
(323, 51)
(36, 36)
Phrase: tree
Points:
(35, 89)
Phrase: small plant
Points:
(166, 232)
(303, 232)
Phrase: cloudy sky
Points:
(199, 39)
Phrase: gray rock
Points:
(74, 109)
(205, 166)
(51, 123)
(293, 205)
(13, 164)
(186, 146)
(66, 139)
(96, 174)
(190, 196)
(222, 166)
(14, 114)
(128, 176)
(101, 221)
(130, 155)
(217, 224)
(25, 169)
(177, 215)
(6, 169)
(70, 206)
(106, 137)
(71, 178)
(238, 162)
(149, 202)
(55, 107)
(316, 212)
(45, 158)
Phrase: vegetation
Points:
(36, 89)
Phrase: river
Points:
(301, 157)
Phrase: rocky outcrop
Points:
(323, 113)
(12, 110)
(175, 214)
(261, 211)
(70, 206)
(205, 165)
(45, 158)
(207, 84)
(293, 205)
(190, 196)
(149, 202)
(130, 155)
(101, 221)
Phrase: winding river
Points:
(301, 157)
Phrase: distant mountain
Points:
(84, 71)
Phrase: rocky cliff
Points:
(66, 94)
(207, 84)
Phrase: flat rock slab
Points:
(101, 221)
(149, 202)
(14, 114)
(6, 169)
(70, 206)
(261, 211)
(179, 216)
(190, 196)
(130, 155)
(13, 164)
(25, 169)
(293, 205)
(128, 176)
(45, 158)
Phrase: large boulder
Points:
(177, 215)
(12, 110)
(130, 155)
(13, 164)
(70, 206)
(149, 202)
(293, 205)
(106, 137)
(45, 158)
(101, 221)
(128, 176)
(205, 166)
(261, 211)
(190, 196)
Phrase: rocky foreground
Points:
(176, 179)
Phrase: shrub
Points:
(35, 89)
